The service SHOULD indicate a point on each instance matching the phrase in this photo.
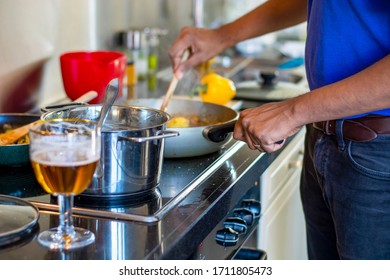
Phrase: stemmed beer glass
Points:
(64, 154)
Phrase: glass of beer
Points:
(64, 154)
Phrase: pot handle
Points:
(61, 106)
(160, 135)
(218, 133)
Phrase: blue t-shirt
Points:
(345, 37)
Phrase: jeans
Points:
(345, 191)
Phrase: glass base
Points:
(55, 241)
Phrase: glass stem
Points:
(65, 204)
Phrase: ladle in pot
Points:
(112, 90)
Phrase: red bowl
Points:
(84, 71)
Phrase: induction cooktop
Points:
(179, 178)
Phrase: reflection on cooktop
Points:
(19, 181)
(146, 204)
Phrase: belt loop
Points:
(326, 128)
(339, 133)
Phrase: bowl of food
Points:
(17, 153)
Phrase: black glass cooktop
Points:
(178, 180)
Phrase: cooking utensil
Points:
(15, 134)
(196, 141)
(86, 97)
(132, 148)
(172, 85)
(15, 154)
(169, 93)
(82, 100)
(109, 98)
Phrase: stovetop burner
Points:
(178, 179)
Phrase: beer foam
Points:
(59, 157)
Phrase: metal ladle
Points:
(112, 90)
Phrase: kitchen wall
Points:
(34, 33)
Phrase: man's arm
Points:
(366, 91)
(206, 43)
(272, 16)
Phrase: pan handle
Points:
(218, 133)
(61, 106)
(162, 134)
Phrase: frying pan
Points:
(195, 141)
(18, 154)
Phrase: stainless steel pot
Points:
(200, 140)
(132, 148)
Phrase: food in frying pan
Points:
(179, 122)
(182, 121)
(7, 127)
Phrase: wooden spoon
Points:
(11, 136)
(172, 85)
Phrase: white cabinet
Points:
(281, 231)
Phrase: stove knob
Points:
(245, 214)
(236, 224)
(253, 205)
(226, 237)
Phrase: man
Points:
(345, 186)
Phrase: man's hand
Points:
(266, 127)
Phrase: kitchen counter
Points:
(171, 222)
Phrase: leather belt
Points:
(359, 129)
